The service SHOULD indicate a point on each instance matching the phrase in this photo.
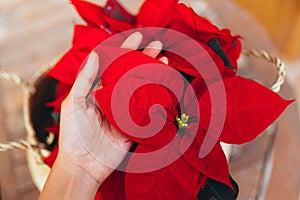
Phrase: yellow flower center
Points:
(182, 121)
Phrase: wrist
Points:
(66, 180)
(74, 172)
(94, 171)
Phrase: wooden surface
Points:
(281, 18)
(33, 32)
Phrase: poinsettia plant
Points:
(248, 110)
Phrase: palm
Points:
(87, 139)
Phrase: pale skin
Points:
(76, 174)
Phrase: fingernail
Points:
(137, 35)
(156, 45)
(165, 60)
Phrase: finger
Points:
(86, 77)
(164, 60)
(133, 41)
(153, 49)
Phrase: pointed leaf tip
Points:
(251, 108)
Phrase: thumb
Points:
(84, 81)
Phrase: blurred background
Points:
(34, 32)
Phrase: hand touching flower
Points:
(83, 122)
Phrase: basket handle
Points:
(28, 88)
(21, 144)
(26, 145)
(280, 66)
(17, 80)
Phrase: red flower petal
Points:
(137, 65)
(187, 21)
(67, 68)
(91, 13)
(54, 128)
(139, 104)
(214, 164)
(55, 104)
(52, 157)
(231, 45)
(154, 13)
(133, 59)
(204, 28)
(210, 64)
(95, 16)
(118, 12)
(113, 187)
(251, 108)
(175, 181)
(228, 72)
(136, 75)
(117, 26)
(87, 38)
(62, 92)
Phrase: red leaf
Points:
(53, 129)
(187, 21)
(91, 13)
(56, 104)
(112, 188)
(86, 38)
(251, 108)
(140, 102)
(52, 157)
(118, 12)
(199, 24)
(154, 13)
(231, 45)
(175, 181)
(62, 91)
(117, 26)
(67, 68)
(136, 65)
(210, 63)
(128, 61)
(214, 164)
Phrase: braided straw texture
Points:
(280, 66)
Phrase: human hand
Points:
(83, 123)
(76, 173)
